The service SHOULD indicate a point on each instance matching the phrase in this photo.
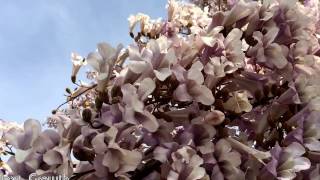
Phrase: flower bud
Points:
(131, 34)
(274, 89)
(266, 90)
(68, 91)
(86, 115)
(73, 79)
(103, 96)
(98, 103)
(258, 95)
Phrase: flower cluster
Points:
(214, 91)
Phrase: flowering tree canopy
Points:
(218, 90)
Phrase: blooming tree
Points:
(218, 90)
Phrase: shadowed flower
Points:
(223, 162)
(307, 132)
(115, 158)
(268, 52)
(238, 103)
(186, 165)
(287, 161)
(191, 85)
(133, 110)
(33, 148)
(214, 118)
(197, 135)
(228, 49)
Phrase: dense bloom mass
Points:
(217, 90)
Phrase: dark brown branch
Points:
(79, 175)
(148, 168)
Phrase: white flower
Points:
(172, 7)
(77, 62)
(132, 22)
(102, 61)
(142, 18)
(6, 126)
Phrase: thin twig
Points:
(73, 98)
(11, 153)
(10, 148)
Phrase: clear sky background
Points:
(37, 37)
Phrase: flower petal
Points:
(209, 41)
(94, 59)
(148, 121)
(98, 143)
(222, 146)
(130, 159)
(234, 35)
(269, 37)
(179, 72)
(138, 66)
(111, 160)
(196, 173)
(275, 56)
(195, 73)
(202, 94)
(106, 50)
(146, 87)
(214, 118)
(296, 149)
(301, 163)
(181, 93)
(239, 11)
(161, 154)
(52, 157)
(21, 155)
(162, 73)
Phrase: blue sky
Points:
(37, 37)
